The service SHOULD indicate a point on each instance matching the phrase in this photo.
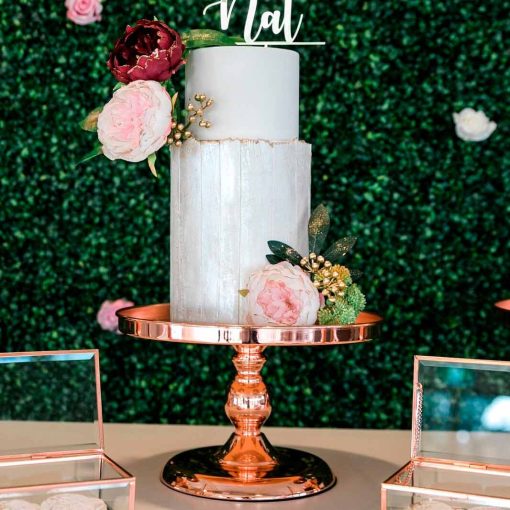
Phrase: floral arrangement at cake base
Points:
(296, 290)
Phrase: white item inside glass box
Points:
(51, 425)
(460, 442)
(92, 497)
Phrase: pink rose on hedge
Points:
(83, 12)
(282, 294)
(106, 315)
(136, 121)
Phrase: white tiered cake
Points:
(241, 183)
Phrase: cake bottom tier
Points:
(228, 198)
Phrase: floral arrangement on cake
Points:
(297, 290)
(143, 116)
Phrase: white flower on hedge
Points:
(472, 125)
(136, 122)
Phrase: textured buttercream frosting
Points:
(228, 199)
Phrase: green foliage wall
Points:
(430, 210)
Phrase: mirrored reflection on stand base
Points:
(287, 474)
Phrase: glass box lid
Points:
(461, 411)
(50, 402)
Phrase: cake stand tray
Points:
(247, 467)
(503, 308)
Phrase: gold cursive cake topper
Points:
(269, 20)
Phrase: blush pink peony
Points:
(84, 12)
(106, 315)
(136, 122)
(282, 294)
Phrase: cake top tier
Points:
(255, 92)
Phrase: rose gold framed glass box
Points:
(460, 447)
(51, 435)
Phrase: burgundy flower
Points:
(150, 50)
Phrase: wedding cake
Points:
(239, 184)
(245, 247)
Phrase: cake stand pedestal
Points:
(247, 466)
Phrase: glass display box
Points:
(51, 429)
(460, 446)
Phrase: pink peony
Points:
(136, 121)
(282, 294)
(83, 12)
(106, 315)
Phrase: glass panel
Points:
(53, 471)
(111, 496)
(397, 500)
(486, 490)
(465, 411)
(48, 403)
(467, 481)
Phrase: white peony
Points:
(473, 126)
(73, 502)
(282, 294)
(136, 122)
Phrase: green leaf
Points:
(318, 228)
(285, 252)
(151, 161)
(96, 151)
(89, 123)
(273, 259)
(339, 249)
(118, 86)
(202, 38)
(174, 100)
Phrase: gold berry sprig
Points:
(329, 279)
(180, 130)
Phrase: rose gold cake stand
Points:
(503, 308)
(247, 467)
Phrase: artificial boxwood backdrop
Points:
(431, 211)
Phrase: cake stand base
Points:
(202, 472)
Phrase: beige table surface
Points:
(361, 460)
